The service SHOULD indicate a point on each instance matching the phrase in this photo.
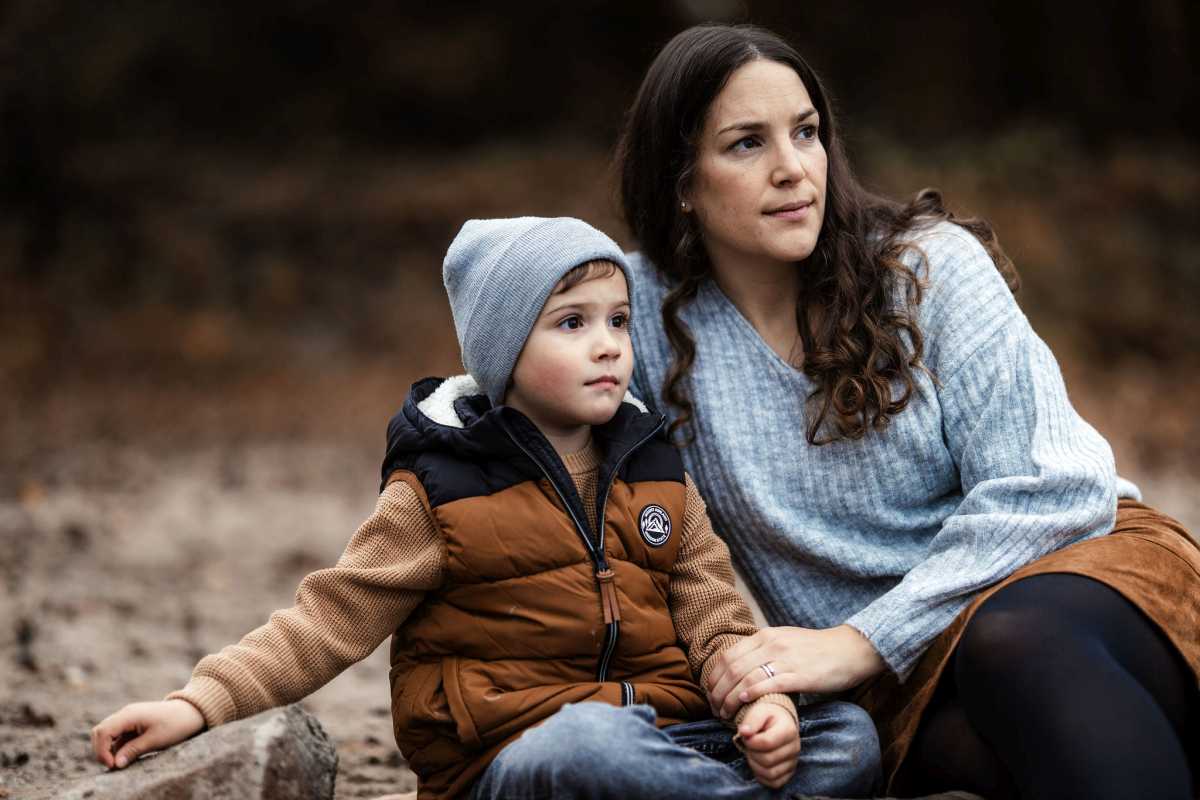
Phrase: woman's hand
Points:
(771, 742)
(140, 728)
(802, 659)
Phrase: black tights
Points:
(1060, 688)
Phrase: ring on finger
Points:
(766, 667)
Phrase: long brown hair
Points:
(852, 332)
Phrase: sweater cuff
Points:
(210, 698)
(881, 627)
(778, 698)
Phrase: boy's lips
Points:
(604, 380)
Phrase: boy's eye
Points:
(571, 323)
(620, 320)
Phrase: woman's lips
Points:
(791, 211)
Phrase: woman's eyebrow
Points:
(756, 126)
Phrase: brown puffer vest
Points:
(537, 609)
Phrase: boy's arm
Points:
(340, 616)
(708, 612)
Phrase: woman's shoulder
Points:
(648, 286)
(954, 268)
(940, 250)
(965, 301)
(647, 279)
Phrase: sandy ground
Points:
(119, 578)
(113, 592)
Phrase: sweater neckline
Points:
(583, 461)
(714, 294)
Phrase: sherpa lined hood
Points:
(453, 415)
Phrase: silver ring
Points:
(766, 667)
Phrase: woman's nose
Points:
(789, 167)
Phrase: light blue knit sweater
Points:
(893, 533)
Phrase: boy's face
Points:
(576, 363)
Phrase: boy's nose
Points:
(607, 345)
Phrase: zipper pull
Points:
(608, 595)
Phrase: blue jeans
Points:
(594, 750)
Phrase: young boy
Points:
(538, 555)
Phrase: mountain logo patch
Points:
(654, 525)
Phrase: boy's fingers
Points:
(773, 759)
(774, 764)
(766, 741)
(774, 776)
(130, 751)
(753, 724)
(784, 751)
(777, 778)
(100, 744)
(107, 734)
(772, 732)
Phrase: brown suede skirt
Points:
(1149, 558)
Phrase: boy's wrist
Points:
(775, 698)
(210, 697)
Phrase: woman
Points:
(889, 450)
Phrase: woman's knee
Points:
(1006, 638)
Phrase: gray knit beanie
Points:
(498, 275)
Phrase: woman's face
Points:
(759, 183)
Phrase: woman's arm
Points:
(1035, 476)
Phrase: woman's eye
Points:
(807, 132)
(742, 145)
(571, 323)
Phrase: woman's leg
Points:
(1073, 689)
(593, 750)
(947, 753)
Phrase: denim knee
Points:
(840, 739)
(579, 737)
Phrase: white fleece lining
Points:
(439, 406)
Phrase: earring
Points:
(683, 206)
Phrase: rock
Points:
(280, 754)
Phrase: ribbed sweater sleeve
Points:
(709, 614)
(340, 616)
(1035, 477)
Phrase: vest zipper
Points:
(603, 573)
(614, 629)
(599, 564)
(627, 697)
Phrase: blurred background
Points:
(221, 231)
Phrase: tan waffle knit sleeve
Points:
(708, 612)
(340, 616)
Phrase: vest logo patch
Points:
(654, 525)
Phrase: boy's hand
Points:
(771, 743)
(140, 728)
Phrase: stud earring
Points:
(683, 206)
